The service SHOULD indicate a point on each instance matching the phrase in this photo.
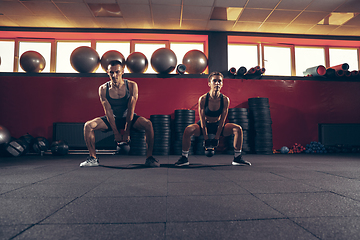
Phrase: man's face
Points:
(115, 72)
(216, 83)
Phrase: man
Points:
(213, 110)
(118, 98)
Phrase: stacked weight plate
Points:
(138, 143)
(261, 129)
(239, 116)
(183, 118)
(162, 134)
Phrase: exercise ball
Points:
(59, 148)
(109, 56)
(195, 62)
(5, 136)
(85, 59)
(137, 62)
(163, 60)
(32, 62)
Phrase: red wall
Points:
(31, 104)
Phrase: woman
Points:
(213, 110)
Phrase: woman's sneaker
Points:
(183, 161)
(152, 162)
(239, 161)
(90, 162)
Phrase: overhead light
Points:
(225, 14)
(105, 9)
(337, 18)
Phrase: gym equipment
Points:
(315, 71)
(260, 130)
(162, 134)
(163, 60)
(180, 69)
(315, 147)
(85, 59)
(40, 145)
(110, 56)
(210, 145)
(297, 148)
(59, 148)
(343, 67)
(241, 71)
(123, 148)
(137, 143)
(16, 148)
(32, 62)
(232, 71)
(339, 73)
(284, 150)
(183, 118)
(195, 61)
(5, 136)
(137, 62)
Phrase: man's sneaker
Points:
(239, 161)
(90, 162)
(183, 161)
(152, 162)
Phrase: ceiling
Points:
(259, 16)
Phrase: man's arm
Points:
(134, 93)
(108, 112)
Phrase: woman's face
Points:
(216, 83)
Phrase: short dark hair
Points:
(114, 63)
(215, 74)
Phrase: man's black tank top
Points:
(119, 106)
(216, 113)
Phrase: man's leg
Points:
(189, 131)
(145, 124)
(89, 137)
(229, 129)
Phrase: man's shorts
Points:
(211, 128)
(120, 123)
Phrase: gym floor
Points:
(278, 197)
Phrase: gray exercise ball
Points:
(137, 62)
(163, 60)
(85, 59)
(32, 62)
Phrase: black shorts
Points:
(211, 128)
(120, 123)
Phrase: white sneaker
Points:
(90, 162)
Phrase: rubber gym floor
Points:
(299, 196)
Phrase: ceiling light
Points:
(233, 13)
(105, 9)
(336, 18)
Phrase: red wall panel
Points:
(31, 104)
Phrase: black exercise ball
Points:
(195, 62)
(85, 59)
(137, 62)
(163, 60)
(110, 56)
(59, 148)
(32, 62)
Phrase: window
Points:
(103, 47)
(306, 57)
(343, 55)
(147, 49)
(64, 50)
(277, 60)
(7, 56)
(44, 48)
(180, 49)
(242, 55)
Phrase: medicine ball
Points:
(59, 148)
